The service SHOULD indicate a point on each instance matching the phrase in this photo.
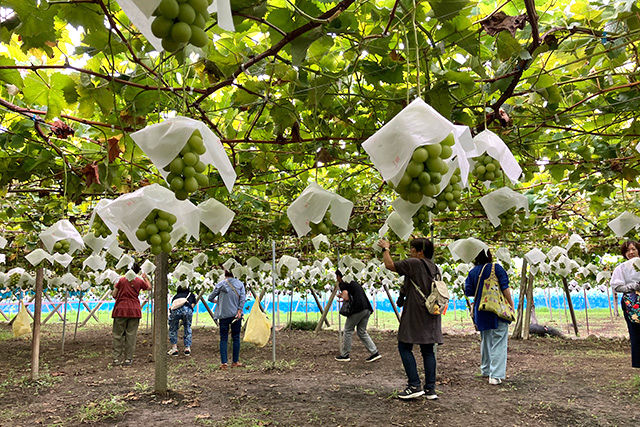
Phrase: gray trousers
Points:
(125, 330)
(357, 320)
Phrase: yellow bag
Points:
(22, 322)
(258, 327)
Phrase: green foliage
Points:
(302, 111)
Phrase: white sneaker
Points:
(495, 381)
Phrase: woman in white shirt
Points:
(625, 280)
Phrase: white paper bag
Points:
(162, 142)
(535, 256)
(3, 242)
(490, 143)
(130, 275)
(318, 240)
(556, 251)
(125, 261)
(576, 239)
(62, 230)
(311, 206)
(254, 263)
(624, 223)
(402, 228)
(62, 259)
(216, 216)
(290, 262)
(115, 251)
(467, 249)
(129, 210)
(139, 13)
(98, 243)
(500, 201)
(147, 267)
(418, 124)
(37, 256)
(94, 262)
(223, 9)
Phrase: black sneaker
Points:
(342, 358)
(410, 393)
(431, 394)
(373, 357)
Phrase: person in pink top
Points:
(126, 316)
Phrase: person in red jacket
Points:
(126, 316)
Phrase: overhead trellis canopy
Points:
(297, 88)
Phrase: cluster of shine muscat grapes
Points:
(487, 168)
(156, 231)
(61, 246)
(185, 171)
(14, 279)
(207, 236)
(450, 196)
(425, 170)
(323, 226)
(180, 22)
(100, 229)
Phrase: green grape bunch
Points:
(421, 219)
(425, 170)
(512, 218)
(14, 279)
(450, 196)
(208, 237)
(100, 229)
(186, 170)
(156, 231)
(487, 168)
(322, 227)
(181, 22)
(61, 246)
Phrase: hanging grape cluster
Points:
(487, 168)
(100, 229)
(156, 231)
(323, 226)
(61, 246)
(185, 171)
(207, 237)
(14, 279)
(425, 170)
(180, 22)
(450, 197)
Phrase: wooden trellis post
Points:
(160, 323)
(517, 329)
(393, 304)
(530, 304)
(565, 285)
(327, 307)
(319, 304)
(37, 314)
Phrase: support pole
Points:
(327, 307)
(319, 304)
(517, 329)
(273, 299)
(530, 304)
(64, 320)
(37, 315)
(160, 323)
(393, 304)
(570, 303)
(98, 305)
(75, 331)
(586, 311)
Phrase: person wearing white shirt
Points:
(626, 279)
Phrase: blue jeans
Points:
(493, 351)
(184, 313)
(235, 337)
(410, 367)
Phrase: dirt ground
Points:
(551, 381)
